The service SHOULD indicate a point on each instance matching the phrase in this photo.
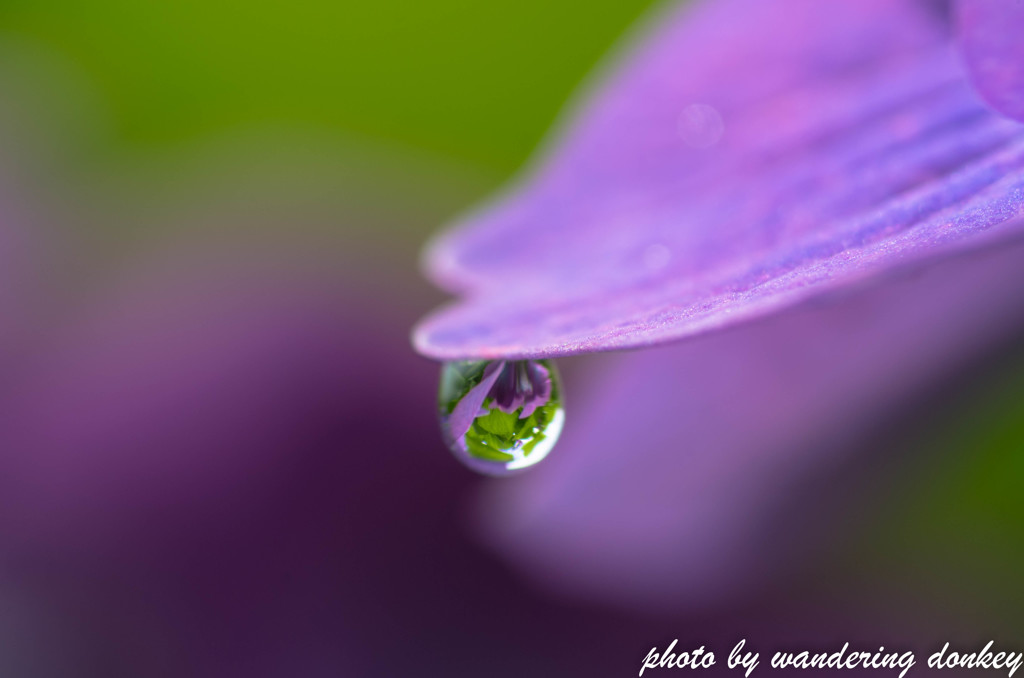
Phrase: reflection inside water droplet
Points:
(500, 416)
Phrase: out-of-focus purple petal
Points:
(469, 407)
(178, 386)
(990, 35)
(700, 468)
(745, 157)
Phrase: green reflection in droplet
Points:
(500, 417)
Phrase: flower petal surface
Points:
(990, 34)
(701, 471)
(745, 156)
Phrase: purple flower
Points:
(500, 417)
(746, 156)
(522, 383)
(700, 471)
(223, 464)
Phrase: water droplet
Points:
(701, 126)
(499, 417)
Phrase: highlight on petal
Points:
(990, 34)
(706, 470)
(744, 157)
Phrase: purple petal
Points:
(747, 156)
(507, 396)
(699, 471)
(990, 34)
(539, 384)
(470, 407)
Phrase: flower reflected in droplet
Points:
(500, 417)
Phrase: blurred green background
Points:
(477, 83)
(429, 106)
(357, 119)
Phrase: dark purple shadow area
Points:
(230, 466)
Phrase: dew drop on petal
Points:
(501, 416)
(700, 126)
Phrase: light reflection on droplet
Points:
(500, 417)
